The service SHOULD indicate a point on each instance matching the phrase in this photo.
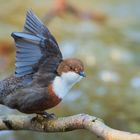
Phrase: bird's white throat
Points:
(62, 84)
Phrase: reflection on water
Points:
(109, 76)
(68, 48)
(135, 82)
(121, 55)
(111, 54)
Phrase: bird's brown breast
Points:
(35, 102)
(53, 98)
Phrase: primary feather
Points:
(34, 43)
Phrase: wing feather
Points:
(31, 43)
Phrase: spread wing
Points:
(33, 44)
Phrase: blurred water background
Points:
(111, 54)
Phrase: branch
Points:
(80, 121)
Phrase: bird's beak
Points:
(81, 73)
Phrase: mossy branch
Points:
(80, 121)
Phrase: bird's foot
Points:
(47, 115)
(41, 116)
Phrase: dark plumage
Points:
(38, 62)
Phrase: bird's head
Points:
(71, 70)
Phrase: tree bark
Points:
(80, 121)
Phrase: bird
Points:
(42, 77)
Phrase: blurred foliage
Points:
(111, 54)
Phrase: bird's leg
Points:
(47, 115)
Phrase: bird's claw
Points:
(48, 115)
